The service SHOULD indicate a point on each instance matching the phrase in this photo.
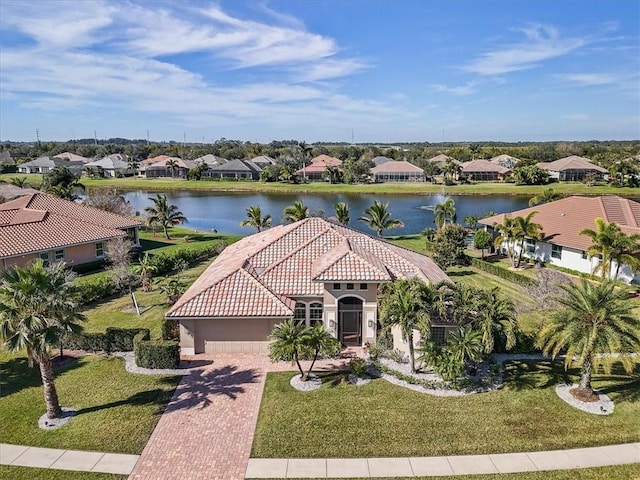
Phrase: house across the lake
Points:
(318, 166)
(563, 220)
(484, 170)
(397, 172)
(573, 169)
(41, 226)
(312, 270)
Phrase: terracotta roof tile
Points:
(572, 162)
(477, 166)
(396, 167)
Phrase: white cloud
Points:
(577, 117)
(541, 43)
(590, 79)
(462, 90)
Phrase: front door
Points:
(350, 321)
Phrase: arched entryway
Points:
(350, 321)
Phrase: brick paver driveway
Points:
(207, 429)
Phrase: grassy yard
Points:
(180, 238)
(381, 419)
(488, 188)
(28, 473)
(618, 472)
(117, 411)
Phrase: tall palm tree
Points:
(445, 211)
(465, 344)
(305, 150)
(464, 302)
(402, 304)
(507, 237)
(296, 212)
(342, 213)
(379, 218)
(547, 195)
(38, 305)
(164, 214)
(603, 239)
(171, 164)
(496, 317)
(132, 165)
(595, 327)
(526, 228)
(625, 250)
(472, 221)
(255, 219)
(19, 182)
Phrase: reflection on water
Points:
(225, 211)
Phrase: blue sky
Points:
(318, 70)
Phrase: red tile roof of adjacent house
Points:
(572, 162)
(40, 222)
(563, 219)
(397, 167)
(327, 160)
(477, 166)
(261, 275)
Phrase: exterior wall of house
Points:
(74, 255)
(399, 177)
(20, 261)
(221, 335)
(369, 307)
(400, 344)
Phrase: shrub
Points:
(156, 353)
(165, 262)
(88, 267)
(503, 273)
(121, 339)
(396, 355)
(376, 350)
(92, 342)
(95, 288)
(170, 329)
(358, 366)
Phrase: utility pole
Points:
(147, 138)
(352, 136)
(95, 137)
(38, 136)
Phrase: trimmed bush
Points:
(88, 267)
(96, 288)
(93, 342)
(165, 262)
(170, 329)
(155, 353)
(121, 339)
(503, 273)
(358, 366)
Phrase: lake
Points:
(225, 211)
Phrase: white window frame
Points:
(556, 251)
(45, 257)
(99, 248)
(318, 309)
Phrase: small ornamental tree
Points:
(449, 246)
(482, 240)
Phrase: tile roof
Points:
(72, 156)
(476, 166)
(505, 160)
(262, 274)
(442, 159)
(572, 162)
(109, 163)
(327, 160)
(39, 222)
(397, 167)
(379, 160)
(235, 166)
(162, 163)
(563, 219)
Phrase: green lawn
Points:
(28, 473)
(180, 238)
(488, 188)
(381, 419)
(618, 472)
(117, 411)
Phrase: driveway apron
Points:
(207, 429)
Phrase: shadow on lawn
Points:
(520, 375)
(461, 273)
(16, 375)
(197, 389)
(623, 386)
(157, 397)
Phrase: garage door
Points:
(234, 335)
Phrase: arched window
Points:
(315, 313)
(300, 313)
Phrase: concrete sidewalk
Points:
(437, 466)
(19, 455)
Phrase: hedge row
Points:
(165, 262)
(112, 340)
(503, 273)
(155, 353)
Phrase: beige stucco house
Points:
(312, 270)
(41, 226)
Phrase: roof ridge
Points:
(280, 298)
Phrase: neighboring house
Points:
(211, 160)
(441, 160)
(110, 167)
(313, 271)
(263, 161)
(506, 161)
(6, 160)
(572, 169)
(379, 160)
(9, 191)
(41, 226)
(483, 170)
(45, 164)
(563, 220)
(397, 172)
(234, 170)
(162, 168)
(315, 170)
(72, 157)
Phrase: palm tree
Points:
(145, 269)
(38, 305)
(171, 164)
(464, 301)
(402, 304)
(507, 237)
(255, 219)
(342, 213)
(319, 341)
(495, 317)
(625, 251)
(445, 211)
(288, 343)
(132, 164)
(595, 327)
(306, 156)
(603, 240)
(472, 221)
(378, 218)
(548, 195)
(465, 344)
(164, 214)
(296, 212)
(19, 182)
(525, 228)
